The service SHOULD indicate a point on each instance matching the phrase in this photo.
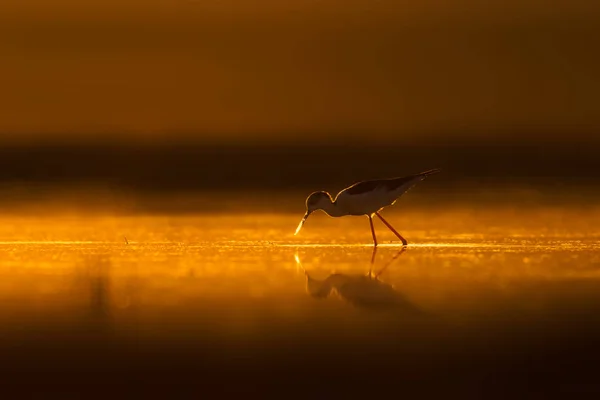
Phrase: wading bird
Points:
(364, 198)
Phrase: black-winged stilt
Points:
(364, 198)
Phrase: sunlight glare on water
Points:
(255, 254)
(224, 283)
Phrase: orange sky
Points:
(251, 69)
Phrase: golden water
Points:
(99, 293)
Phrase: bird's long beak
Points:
(302, 222)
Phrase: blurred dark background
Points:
(160, 96)
(157, 168)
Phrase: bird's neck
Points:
(332, 209)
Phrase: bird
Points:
(366, 198)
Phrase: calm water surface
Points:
(481, 303)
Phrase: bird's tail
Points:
(430, 172)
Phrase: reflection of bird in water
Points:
(364, 198)
(365, 291)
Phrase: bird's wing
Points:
(398, 185)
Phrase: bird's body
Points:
(364, 198)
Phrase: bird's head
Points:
(315, 201)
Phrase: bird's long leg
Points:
(391, 228)
(373, 230)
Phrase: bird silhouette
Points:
(364, 198)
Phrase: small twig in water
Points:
(126, 241)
